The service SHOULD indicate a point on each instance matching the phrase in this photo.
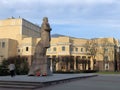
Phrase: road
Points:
(102, 82)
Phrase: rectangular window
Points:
(106, 58)
(63, 48)
(27, 49)
(106, 66)
(54, 49)
(81, 49)
(3, 44)
(106, 49)
(76, 49)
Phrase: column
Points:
(91, 63)
(57, 63)
(74, 62)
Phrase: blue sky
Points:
(76, 18)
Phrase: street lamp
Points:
(116, 59)
(50, 64)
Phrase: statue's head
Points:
(45, 19)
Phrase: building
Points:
(21, 32)
(70, 53)
(18, 37)
(8, 48)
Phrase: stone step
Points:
(33, 85)
(17, 86)
(20, 85)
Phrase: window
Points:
(54, 49)
(81, 49)
(106, 49)
(18, 50)
(106, 66)
(76, 49)
(3, 44)
(27, 48)
(63, 48)
(106, 58)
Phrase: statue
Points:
(40, 62)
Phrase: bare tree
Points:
(91, 47)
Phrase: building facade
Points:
(18, 37)
(21, 32)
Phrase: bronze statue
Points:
(39, 58)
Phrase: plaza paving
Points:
(33, 82)
(101, 82)
(25, 78)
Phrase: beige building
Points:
(19, 32)
(83, 54)
(18, 37)
(8, 48)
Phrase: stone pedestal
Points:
(41, 65)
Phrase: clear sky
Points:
(77, 18)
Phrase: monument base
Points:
(40, 67)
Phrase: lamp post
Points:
(51, 64)
(118, 58)
(116, 51)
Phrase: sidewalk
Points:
(32, 82)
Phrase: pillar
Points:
(91, 63)
(74, 62)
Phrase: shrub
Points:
(21, 65)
